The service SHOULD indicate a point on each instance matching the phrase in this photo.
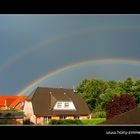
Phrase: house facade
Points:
(11, 117)
(44, 104)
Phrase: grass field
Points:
(93, 121)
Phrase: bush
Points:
(80, 122)
(27, 121)
(65, 121)
(3, 121)
(137, 96)
(100, 114)
(120, 104)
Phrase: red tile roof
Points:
(11, 101)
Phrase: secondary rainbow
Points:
(73, 65)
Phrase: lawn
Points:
(93, 121)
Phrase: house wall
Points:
(55, 118)
(83, 117)
(29, 113)
(70, 117)
(28, 109)
(19, 121)
(14, 121)
(40, 120)
(33, 119)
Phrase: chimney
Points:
(73, 89)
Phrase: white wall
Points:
(28, 108)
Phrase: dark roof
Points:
(130, 117)
(43, 100)
(11, 115)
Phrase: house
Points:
(44, 104)
(131, 117)
(11, 109)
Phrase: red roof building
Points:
(15, 102)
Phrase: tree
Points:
(90, 90)
(120, 104)
(97, 92)
(128, 84)
(109, 94)
(113, 84)
(136, 90)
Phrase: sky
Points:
(34, 45)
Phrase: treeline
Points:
(97, 93)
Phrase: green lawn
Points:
(93, 121)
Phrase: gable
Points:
(28, 108)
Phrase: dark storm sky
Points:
(31, 45)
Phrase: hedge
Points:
(65, 121)
(77, 122)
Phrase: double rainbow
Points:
(74, 65)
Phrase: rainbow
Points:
(77, 64)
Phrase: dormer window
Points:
(66, 105)
(59, 105)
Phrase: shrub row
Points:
(82, 122)
(65, 121)
(3, 121)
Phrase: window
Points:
(59, 105)
(62, 117)
(77, 117)
(46, 119)
(66, 105)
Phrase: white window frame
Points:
(66, 105)
(59, 105)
